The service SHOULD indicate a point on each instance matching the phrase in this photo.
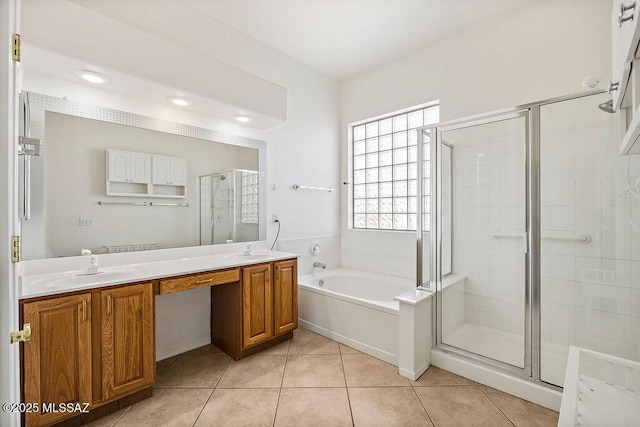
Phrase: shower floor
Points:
(509, 348)
(488, 342)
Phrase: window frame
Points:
(351, 199)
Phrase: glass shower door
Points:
(478, 223)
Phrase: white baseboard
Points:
(174, 351)
(371, 351)
(524, 389)
(414, 375)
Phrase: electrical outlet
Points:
(86, 222)
(274, 217)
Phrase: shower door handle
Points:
(525, 242)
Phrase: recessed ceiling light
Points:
(179, 101)
(243, 118)
(93, 77)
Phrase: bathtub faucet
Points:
(319, 264)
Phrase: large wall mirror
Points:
(111, 181)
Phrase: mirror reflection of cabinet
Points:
(126, 166)
(169, 170)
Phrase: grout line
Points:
(203, 406)
(422, 404)
(346, 386)
(122, 415)
(284, 368)
(495, 404)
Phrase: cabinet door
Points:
(624, 37)
(127, 339)
(57, 359)
(178, 171)
(161, 170)
(140, 168)
(118, 166)
(257, 304)
(285, 296)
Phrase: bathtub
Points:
(355, 308)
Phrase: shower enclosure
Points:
(530, 236)
(229, 207)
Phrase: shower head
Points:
(223, 177)
(607, 107)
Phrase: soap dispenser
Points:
(93, 265)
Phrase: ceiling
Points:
(339, 38)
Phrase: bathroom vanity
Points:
(92, 338)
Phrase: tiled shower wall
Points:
(590, 291)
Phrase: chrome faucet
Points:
(247, 250)
(93, 262)
(319, 264)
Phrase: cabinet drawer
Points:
(201, 280)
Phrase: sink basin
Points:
(252, 257)
(82, 279)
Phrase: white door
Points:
(9, 223)
(119, 165)
(140, 164)
(161, 170)
(178, 171)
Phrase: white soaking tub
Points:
(355, 308)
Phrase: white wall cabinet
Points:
(169, 170)
(126, 166)
(625, 86)
(145, 175)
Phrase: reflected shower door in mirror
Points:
(480, 200)
(229, 207)
(88, 151)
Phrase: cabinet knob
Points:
(623, 9)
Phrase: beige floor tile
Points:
(313, 370)
(345, 349)
(241, 407)
(521, 412)
(387, 406)
(257, 371)
(436, 376)
(307, 342)
(362, 370)
(460, 406)
(282, 348)
(194, 372)
(167, 408)
(205, 350)
(109, 420)
(163, 365)
(313, 407)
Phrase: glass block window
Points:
(249, 200)
(384, 161)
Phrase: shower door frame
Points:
(532, 297)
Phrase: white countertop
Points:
(68, 281)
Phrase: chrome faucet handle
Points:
(247, 250)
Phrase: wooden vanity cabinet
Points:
(57, 359)
(257, 304)
(258, 312)
(94, 347)
(128, 347)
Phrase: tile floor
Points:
(314, 381)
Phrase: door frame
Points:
(531, 370)
(10, 83)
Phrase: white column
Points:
(414, 334)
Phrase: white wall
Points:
(541, 50)
(304, 150)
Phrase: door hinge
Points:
(22, 336)
(15, 248)
(15, 47)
